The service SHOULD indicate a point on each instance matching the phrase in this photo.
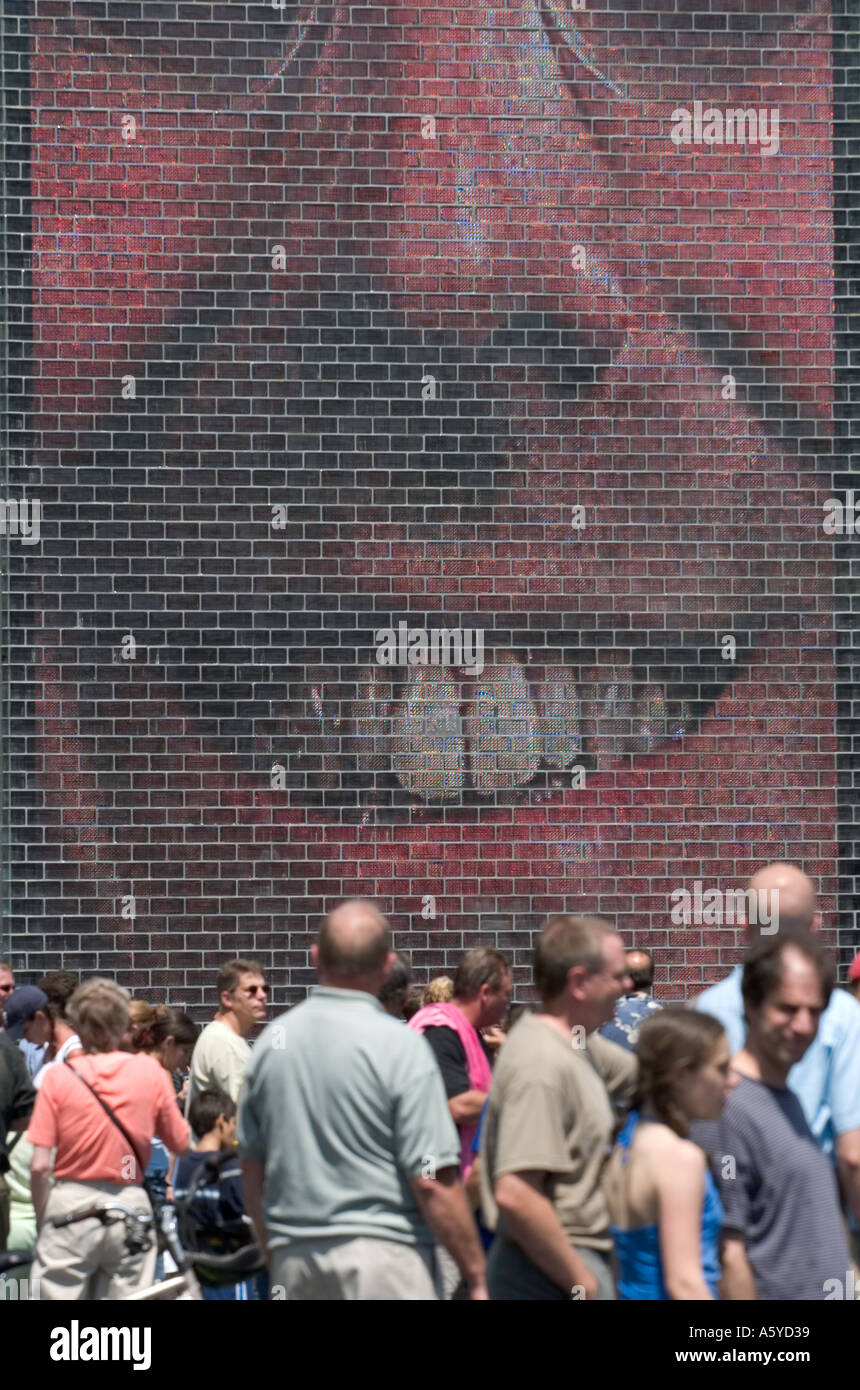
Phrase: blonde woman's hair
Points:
(143, 1016)
(99, 1013)
(440, 990)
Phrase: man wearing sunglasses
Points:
(221, 1053)
(7, 984)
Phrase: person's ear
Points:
(576, 977)
(388, 964)
(817, 919)
(315, 957)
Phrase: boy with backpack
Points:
(208, 1195)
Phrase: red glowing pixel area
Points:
(431, 413)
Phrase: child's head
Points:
(214, 1113)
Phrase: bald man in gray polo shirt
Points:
(349, 1154)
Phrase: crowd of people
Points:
(388, 1140)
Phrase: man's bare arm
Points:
(442, 1203)
(531, 1219)
(848, 1157)
(738, 1283)
(253, 1173)
(467, 1106)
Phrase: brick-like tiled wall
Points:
(348, 316)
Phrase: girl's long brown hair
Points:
(671, 1042)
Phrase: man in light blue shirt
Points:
(350, 1157)
(827, 1080)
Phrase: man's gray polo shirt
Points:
(344, 1105)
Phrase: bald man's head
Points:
(354, 942)
(790, 893)
(640, 968)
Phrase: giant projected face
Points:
(439, 327)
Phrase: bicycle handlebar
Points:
(102, 1214)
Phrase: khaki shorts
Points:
(89, 1261)
(361, 1268)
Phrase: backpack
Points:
(222, 1252)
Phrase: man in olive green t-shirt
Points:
(550, 1122)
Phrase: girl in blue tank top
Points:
(665, 1208)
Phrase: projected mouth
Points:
(443, 737)
(377, 493)
(381, 490)
(385, 744)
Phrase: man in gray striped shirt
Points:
(785, 1237)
